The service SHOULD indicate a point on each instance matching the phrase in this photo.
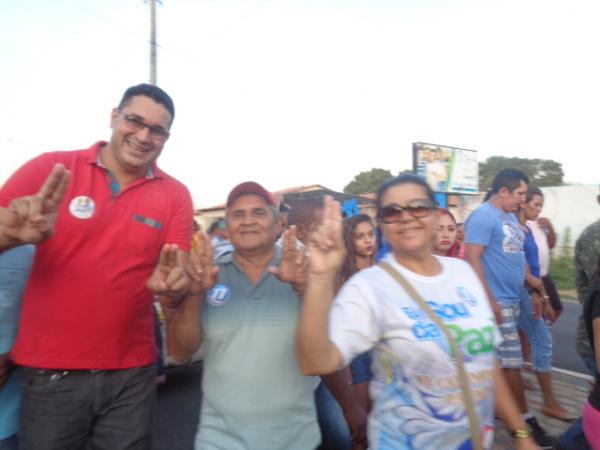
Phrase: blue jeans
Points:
(590, 364)
(360, 368)
(573, 438)
(335, 433)
(538, 334)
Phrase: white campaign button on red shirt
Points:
(82, 207)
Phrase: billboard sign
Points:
(447, 169)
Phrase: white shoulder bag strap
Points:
(460, 363)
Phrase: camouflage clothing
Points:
(587, 252)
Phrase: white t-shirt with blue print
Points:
(417, 401)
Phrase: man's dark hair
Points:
(219, 223)
(508, 178)
(405, 178)
(150, 91)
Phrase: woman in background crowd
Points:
(545, 239)
(537, 347)
(361, 245)
(446, 241)
(360, 242)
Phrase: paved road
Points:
(176, 416)
(564, 334)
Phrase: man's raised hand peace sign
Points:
(169, 277)
(31, 219)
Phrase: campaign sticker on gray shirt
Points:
(218, 295)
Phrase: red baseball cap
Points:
(250, 188)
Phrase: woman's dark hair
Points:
(405, 178)
(349, 267)
(531, 192)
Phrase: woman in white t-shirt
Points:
(545, 239)
(416, 394)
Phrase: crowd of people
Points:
(404, 331)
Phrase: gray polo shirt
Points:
(254, 396)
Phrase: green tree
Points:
(366, 182)
(541, 172)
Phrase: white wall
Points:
(566, 206)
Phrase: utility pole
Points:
(152, 41)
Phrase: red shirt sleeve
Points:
(180, 226)
(28, 179)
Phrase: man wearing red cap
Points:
(245, 312)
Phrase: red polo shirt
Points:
(86, 305)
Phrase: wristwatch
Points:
(520, 433)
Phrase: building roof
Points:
(292, 194)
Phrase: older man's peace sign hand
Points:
(204, 273)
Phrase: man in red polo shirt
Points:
(101, 220)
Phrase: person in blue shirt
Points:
(494, 247)
(14, 271)
(219, 239)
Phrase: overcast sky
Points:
(297, 92)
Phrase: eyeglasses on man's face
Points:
(417, 209)
(135, 122)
